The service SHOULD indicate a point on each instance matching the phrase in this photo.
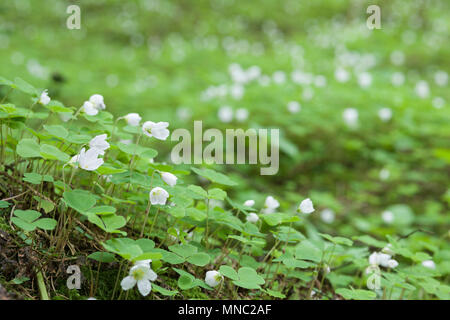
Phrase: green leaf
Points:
(45, 223)
(164, 292)
(28, 148)
(53, 153)
(357, 294)
(25, 87)
(306, 250)
(337, 240)
(183, 250)
(100, 256)
(27, 215)
(32, 177)
(80, 200)
(199, 259)
(57, 131)
(215, 176)
(228, 272)
(197, 192)
(217, 194)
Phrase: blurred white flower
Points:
(429, 264)
(441, 78)
(327, 216)
(44, 99)
(379, 258)
(397, 57)
(264, 80)
(294, 107)
(397, 79)
(306, 206)
(249, 203)
(341, 75)
(422, 89)
(89, 108)
(364, 79)
(270, 205)
(279, 77)
(183, 113)
(213, 278)
(65, 116)
(158, 130)
(158, 196)
(140, 275)
(237, 91)
(97, 101)
(133, 119)
(384, 174)
(392, 263)
(225, 114)
(99, 143)
(241, 114)
(350, 116)
(320, 81)
(387, 216)
(385, 114)
(388, 250)
(252, 217)
(438, 102)
(169, 178)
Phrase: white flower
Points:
(364, 79)
(392, 263)
(270, 205)
(306, 206)
(237, 91)
(397, 79)
(422, 89)
(44, 99)
(397, 57)
(158, 130)
(91, 298)
(341, 75)
(133, 119)
(241, 114)
(169, 178)
(249, 203)
(279, 77)
(99, 143)
(141, 275)
(384, 174)
(438, 102)
(429, 264)
(89, 108)
(146, 263)
(65, 116)
(126, 141)
(97, 101)
(327, 215)
(385, 114)
(379, 258)
(87, 160)
(225, 114)
(387, 216)
(213, 278)
(252, 217)
(158, 196)
(350, 116)
(294, 107)
(441, 78)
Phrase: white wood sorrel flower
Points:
(99, 143)
(158, 130)
(249, 203)
(97, 101)
(213, 278)
(158, 196)
(133, 119)
(89, 108)
(44, 99)
(140, 274)
(270, 205)
(169, 178)
(306, 206)
(252, 217)
(87, 160)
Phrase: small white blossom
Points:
(441, 78)
(169, 178)
(397, 79)
(99, 143)
(327, 216)
(438, 102)
(293, 107)
(88, 160)
(364, 79)
(213, 278)
(225, 114)
(158, 130)
(306, 206)
(270, 205)
(341, 75)
(44, 99)
(89, 108)
(133, 119)
(392, 263)
(384, 174)
(385, 114)
(422, 89)
(141, 275)
(379, 258)
(97, 101)
(429, 264)
(252, 217)
(350, 116)
(158, 196)
(249, 203)
(387, 216)
(241, 114)
(388, 250)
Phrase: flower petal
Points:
(128, 283)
